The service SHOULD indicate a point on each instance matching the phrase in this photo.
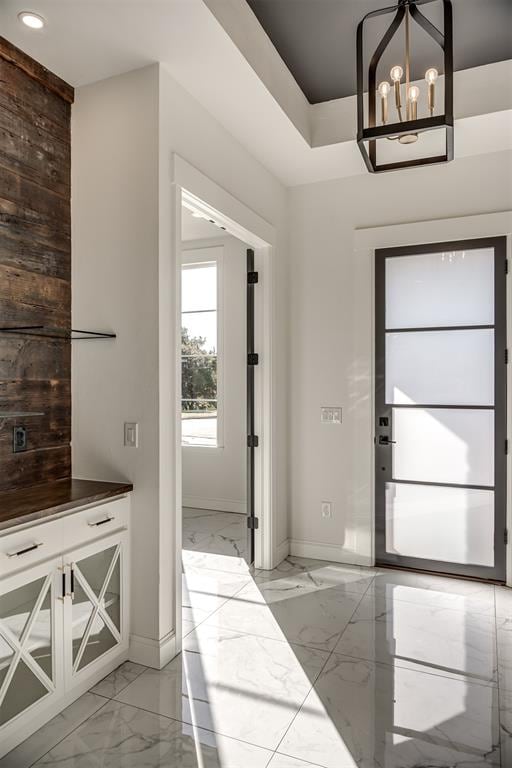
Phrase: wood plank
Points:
(32, 359)
(39, 291)
(31, 240)
(34, 196)
(36, 71)
(34, 155)
(16, 313)
(20, 470)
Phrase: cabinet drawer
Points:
(95, 522)
(21, 549)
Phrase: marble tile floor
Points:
(221, 533)
(312, 665)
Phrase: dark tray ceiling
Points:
(316, 38)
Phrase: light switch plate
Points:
(330, 414)
(131, 434)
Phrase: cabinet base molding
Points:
(16, 736)
(153, 653)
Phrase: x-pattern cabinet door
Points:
(31, 669)
(96, 611)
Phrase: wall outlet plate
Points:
(131, 434)
(327, 509)
(19, 439)
(330, 414)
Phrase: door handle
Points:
(101, 522)
(384, 440)
(24, 551)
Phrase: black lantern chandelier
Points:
(401, 113)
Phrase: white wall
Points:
(215, 478)
(115, 280)
(124, 133)
(331, 333)
(187, 129)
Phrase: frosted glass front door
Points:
(444, 445)
(440, 407)
(448, 288)
(416, 514)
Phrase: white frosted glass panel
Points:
(199, 287)
(440, 367)
(441, 445)
(453, 525)
(439, 289)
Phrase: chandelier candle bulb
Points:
(384, 89)
(431, 76)
(396, 75)
(413, 96)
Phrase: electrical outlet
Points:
(131, 434)
(330, 414)
(327, 509)
(19, 439)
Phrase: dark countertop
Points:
(27, 505)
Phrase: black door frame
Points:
(252, 438)
(383, 451)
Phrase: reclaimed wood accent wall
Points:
(35, 267)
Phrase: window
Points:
(200, 350)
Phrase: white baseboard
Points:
(335, 553)
(282, 552)
(219, 505)
(152, 653)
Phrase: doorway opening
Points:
(440, 408)
(218, 360)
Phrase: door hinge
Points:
(253, 523)
(252, 278)
(252, 441)
(253, 358)
(505, 536)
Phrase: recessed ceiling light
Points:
(31, 19)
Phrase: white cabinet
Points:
(64, 622)
(95, 610)
(31, 615)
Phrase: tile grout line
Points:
(71, 731)
(186, 722)
(93, 693)
(322, 670)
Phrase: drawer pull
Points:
(102, 522)
(25, 551)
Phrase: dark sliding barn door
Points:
(440, 407)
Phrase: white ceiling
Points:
(217, 50)
(193, 228)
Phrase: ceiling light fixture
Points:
(406, 126)
(31, 19)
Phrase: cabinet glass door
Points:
(440, 407)
(96, 605)
(26, 644)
